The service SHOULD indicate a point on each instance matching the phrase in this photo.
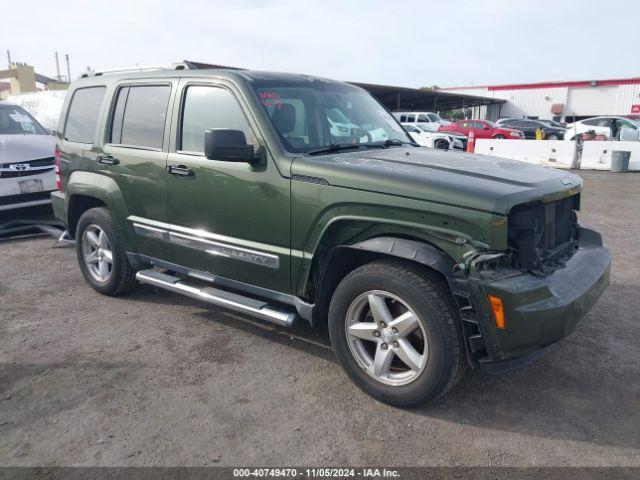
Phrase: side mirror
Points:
(227, 145)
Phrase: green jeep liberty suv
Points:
(294, 197)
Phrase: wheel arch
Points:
(78, 204)
(86, 190)
(342, 259)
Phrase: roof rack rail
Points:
(173, 66)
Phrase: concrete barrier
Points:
(556, 153)
(597, 155)
(560, 153)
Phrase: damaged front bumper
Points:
(538, 309)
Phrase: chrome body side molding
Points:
(213, 244)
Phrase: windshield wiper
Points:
(334, 147)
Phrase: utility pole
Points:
(57, 67)
(66, 57)
(9, 58)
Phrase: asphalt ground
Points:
(152, 378)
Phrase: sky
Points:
(405, 43)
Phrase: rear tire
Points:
(552, 136)
(499, 137)
(101, 253)
(427, 357)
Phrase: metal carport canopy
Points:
(419, 99)
(398, 98)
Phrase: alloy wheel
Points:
(97, 253)
(386, 338)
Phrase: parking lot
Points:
(153, 378)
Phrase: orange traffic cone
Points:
(471, 144)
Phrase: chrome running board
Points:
(216, 296)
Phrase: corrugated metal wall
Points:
(627, 95)
(537, 102)
(520, 102)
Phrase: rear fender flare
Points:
(100, 187)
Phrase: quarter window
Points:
(82, 119)
(140, 115)
(206, 108)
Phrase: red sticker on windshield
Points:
(270, 99)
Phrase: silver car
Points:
(27, 161)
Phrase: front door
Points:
(230, 219)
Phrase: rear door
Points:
(135, 154)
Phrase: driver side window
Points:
(207, 107)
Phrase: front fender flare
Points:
(416, 251)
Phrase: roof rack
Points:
(173, 66)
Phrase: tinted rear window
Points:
(83, 114)
(145, 112)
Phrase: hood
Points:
(477, 182)
(20, 148)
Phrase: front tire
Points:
(499, 137)
(552, 136)
(396, 332)
(101, 253)
(441, 144)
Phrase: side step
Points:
(221, 298)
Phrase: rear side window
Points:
(206, 108)
(82, 119)
(139, 116)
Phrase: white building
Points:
(561, 101)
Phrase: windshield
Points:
(311, 115)
(434, 117)
(15, 120)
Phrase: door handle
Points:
(180, 170)
(107, 160)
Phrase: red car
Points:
(482, 129)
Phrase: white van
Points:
(429, 120)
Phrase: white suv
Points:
(27, 159)
(613, 127)
(427, 120)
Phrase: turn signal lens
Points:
(497, 310)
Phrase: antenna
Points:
(57, 67)
(66, 57)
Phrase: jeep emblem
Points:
(567, 181)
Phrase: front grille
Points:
(542, 235)
(36, 167)
(24, 197)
